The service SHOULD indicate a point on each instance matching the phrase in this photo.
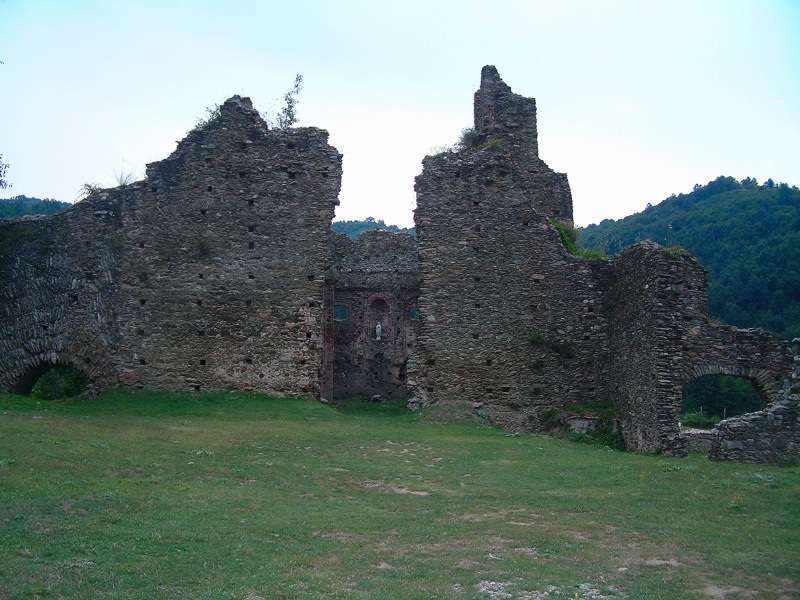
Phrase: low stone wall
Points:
(698, 440)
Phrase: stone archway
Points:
(760, 379)
(26, 380)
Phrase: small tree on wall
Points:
(288, 115)
(3, 168)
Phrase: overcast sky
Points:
(636, 99)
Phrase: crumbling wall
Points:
(653, 294)
(376, 281)
(515, 327)
(771, 435)
(208, 274)
(661, 339)
(509, 320)
(219, 270)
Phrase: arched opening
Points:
(52, 382)
(710, 399)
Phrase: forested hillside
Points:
(746, 235)
(19, 206)
(352, 228)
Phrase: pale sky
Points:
(636, 99)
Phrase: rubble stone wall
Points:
(219, 270)
(509, 320)
(515, 327)
(206, 275)
(771, 435)
(59, 289)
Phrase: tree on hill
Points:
(746, 235)
(20, 206)
(3, 168)
(352, 228)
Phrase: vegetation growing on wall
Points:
(569, 235)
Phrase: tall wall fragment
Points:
(208, 274)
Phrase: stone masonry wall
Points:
(515, 327)
(219, 270)
(208, 274)
(771, 435)
(377, 280)
(59, 288)
(661, 339)
(509, 321)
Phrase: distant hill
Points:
(746, 235)
(352, 228)
(19, 206)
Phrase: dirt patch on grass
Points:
(394, 488)
(728, 592)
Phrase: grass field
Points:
(158, 496)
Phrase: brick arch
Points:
(22, 379)
(762, 380)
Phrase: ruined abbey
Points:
(219, 270)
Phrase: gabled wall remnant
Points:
(220, 270)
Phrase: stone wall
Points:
(219, 270)
(509, 320)
(376, 281)
(515, 327)
(206, 275)
(771, 435)
(59, 291)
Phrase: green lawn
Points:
(144, 495)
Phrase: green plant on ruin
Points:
(493, 143)
(212, 114)
(124, 178)
(537, 338)
(569, 234)
(87, 189)
(674, 253)
(605, 432)
(469, 138)
(287, 115)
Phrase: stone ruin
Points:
(219, 270)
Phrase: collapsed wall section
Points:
(771, 435)
(660, 339)
(376, 282)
